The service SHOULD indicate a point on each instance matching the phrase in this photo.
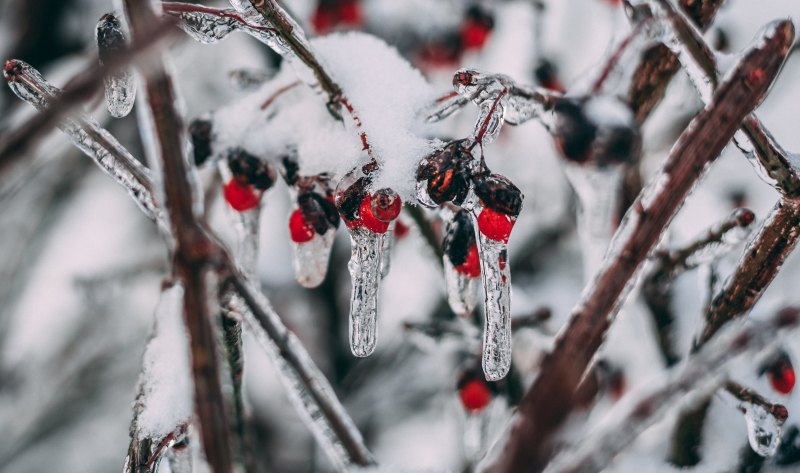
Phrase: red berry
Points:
(400, 229)
(368, 219)
(475, 395)
(322, 20)
(495, 225)
(472, 266)
(300, 230)
(349, 13)
(474, 34)
(781, 376)
(241, 196)
(385, 205)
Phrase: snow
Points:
(166, 381)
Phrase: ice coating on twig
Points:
(496, 277)
(365, 276)
(307, 387)
(461, 284)
(721, 238)
(763, 429)
(88, 136)
(310, 259)
(166, 374)
(700, 375)
(476, 426)
(206, 27)
(120, 87)
(462, 290)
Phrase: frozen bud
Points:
(251, 170)
(110, 39)
(201, 134)
(447, 173)
(599, 130)
(318, 212)
(386, 204)
(498, 193)
(349, 199)
(465, 81)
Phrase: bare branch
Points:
(550, 398)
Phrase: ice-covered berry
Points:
(472, 266)
(495, 225)
(386, 205)
(300, 231)
(475, 395)
(241, 197)
(368, 219)
(781, 375)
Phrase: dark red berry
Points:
(400, 230)
(349, 201)
(349, 13)
(459, 238)
(249, 169)
(472, 266)
(300, 231)
(495, 225)
(318, 211)
(368, 219)
(241, 197)
(547, 76)
(498, 193)
(781, 376)
(475, 395)
(386, 205)
(446, 172)
(476, 28)
(323, 19)
(200, 132)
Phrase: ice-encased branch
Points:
(774, 164)
(700, 375)
(87, 135)
(194, 251)
(81, 88)
(549, 400)
(308, 389)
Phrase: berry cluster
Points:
(315, 213)
(359, 208)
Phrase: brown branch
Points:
(659, 65)
(194, 251)
(550, 399)
(177, 7)
(80, 88)
(749, 396)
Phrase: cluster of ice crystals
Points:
(208, 28)
(120, 86)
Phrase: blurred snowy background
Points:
(81, 268)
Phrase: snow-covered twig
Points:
(703, 373)
(194, 250)
(79, 89)
(550, 399)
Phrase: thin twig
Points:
(550, 399)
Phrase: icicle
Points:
(461, 281)
(120, 88)
(386, 251)
(476, 426)
(246, 226)
(598, 191)
(316, 405)
(88, 136)
(364, 267)
(310, 259)
(763, 429)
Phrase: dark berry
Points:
(495, 225)
(471, 267)
(386, 205)
(447, 174)
(476, 28)
(459, 238)
(241, 197)
(290, 169)
(349, 201)
(368, 219)
(498, 193)
(251, 170)
(573, 132)
(319, 212)
(547, 76)
(200, 131)
(300, 231)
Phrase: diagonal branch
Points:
(550, 399)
